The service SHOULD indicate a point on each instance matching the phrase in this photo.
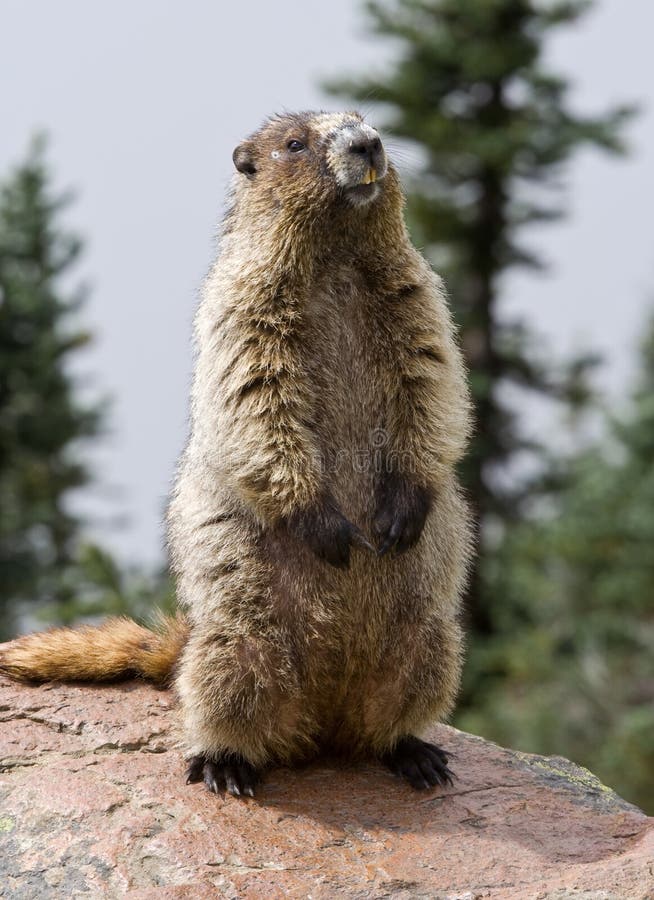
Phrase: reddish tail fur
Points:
(119, 648)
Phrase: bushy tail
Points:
(119, 648)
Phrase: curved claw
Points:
(422, 764)
(402, 509)
(229, 772)
(328, 533)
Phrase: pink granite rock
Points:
(93, 804)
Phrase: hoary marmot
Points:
(317, 530)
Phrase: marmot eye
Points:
(295, 146)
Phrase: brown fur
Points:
(328, 384)
(116, 649)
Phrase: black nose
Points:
(366, 147)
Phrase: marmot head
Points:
(316, 158)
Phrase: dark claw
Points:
(231, 781)
(212, 777)
(402, 509)
(194, 770)
(428, 771)
(434, 750)
(328, 533)
(422, 764)
(245, 779)
(439, 760)
(231, 773)
(391, 538)
(411, 771)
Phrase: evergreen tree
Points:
(103, 587)
(470, 89)
(42, 420)
(583, 578)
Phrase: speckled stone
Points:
(93, 804)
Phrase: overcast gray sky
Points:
(144, 103)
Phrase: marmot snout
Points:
(356, 156)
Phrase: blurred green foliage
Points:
(573, 669)
(41, 418)
(45, 566)
(101, 586)
(559, 605)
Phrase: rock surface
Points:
(93, 804)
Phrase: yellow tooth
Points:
(369, 177)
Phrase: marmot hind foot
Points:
(230, 772)
(423, 765)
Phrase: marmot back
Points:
(317, 531)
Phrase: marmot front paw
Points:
(328, 533)
(230, 772)
(402, 508)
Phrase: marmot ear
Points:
(243, 158)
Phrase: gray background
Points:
(144, 103)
